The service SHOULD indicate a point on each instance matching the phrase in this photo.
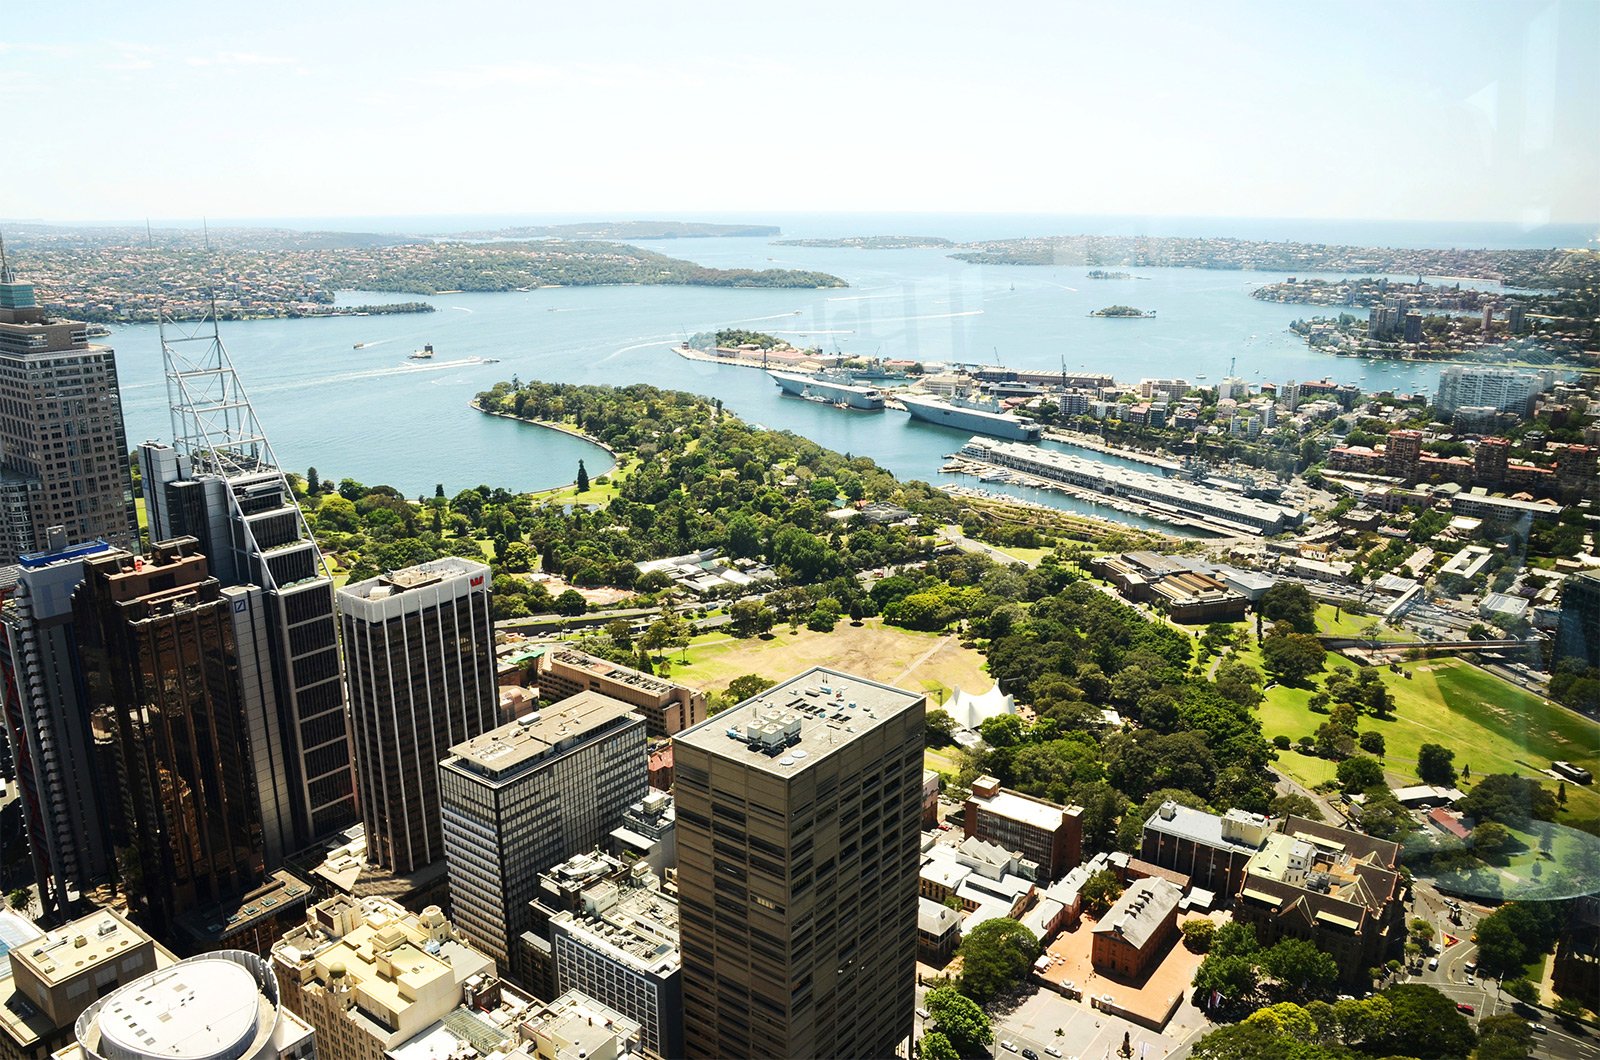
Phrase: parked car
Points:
(1008, 1045)
(1029, 1054)
(1052, 1050)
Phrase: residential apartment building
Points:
(798, 837)
(523, 797)
(370, 975)
(161, 685)
(419, 659)
(63, 447)
(1047, 834)
(1505, 389)
(667, 708)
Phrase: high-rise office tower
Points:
(63, 448)
(798, 822)
(220, 483)
(526, 796)
(419, 656)
(161, 683)
(47, 719)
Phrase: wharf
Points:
(1078, 441)
(987, 472)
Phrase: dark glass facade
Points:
(163, 695)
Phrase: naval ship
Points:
(973, 415)
(832, 388)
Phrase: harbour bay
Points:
(407, 423)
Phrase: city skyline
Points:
(1416, 112)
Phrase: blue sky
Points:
(1420, 111)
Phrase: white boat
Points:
(424, 354)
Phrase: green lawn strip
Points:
(1030, 556)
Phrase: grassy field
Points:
(925, 662)
(595, 494)
(1338, 623)
(1493, 727)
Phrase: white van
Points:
(1433, 964)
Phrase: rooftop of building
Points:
(421, 576)
(1036, 813)
(636, 923)
(280, 891)
(513, 747)
(1200, 826)
(1141, 911)
(486, 1028)
(936, 918)
(344, 865)
(386, 953)
(75, 948)
(793, 725)
(217, 1004)
(576, 1025)
(626, 675)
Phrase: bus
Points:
(1571, 772)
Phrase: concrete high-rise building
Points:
(520, 799)
(419, 657)
(220, 483)
(370, 975)
(1413, 326)
(220, 1006)
(1470, 386)
(666, 707)
(622, 950)
(798, 835)
(1516, 318)
(47, 720)
(63, 447)
(161, 684)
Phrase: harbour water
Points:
(376, 416)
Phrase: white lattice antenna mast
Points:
(213, 422)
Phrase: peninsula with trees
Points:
(112, 275)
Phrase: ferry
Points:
(834, 388)
(424, 354)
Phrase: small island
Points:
(1124, 312)
(1102, 274)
